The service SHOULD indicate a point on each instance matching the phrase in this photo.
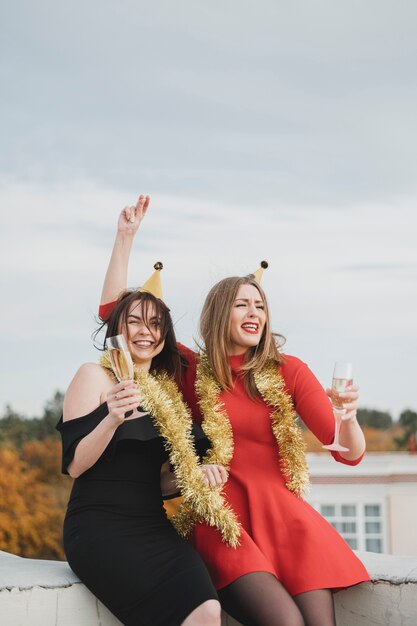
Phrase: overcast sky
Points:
(276, 130)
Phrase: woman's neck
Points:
(143, 366)
(237, 351)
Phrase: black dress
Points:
(117, 537)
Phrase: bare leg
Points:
(207, 614)
(259, 599)
(317, 607)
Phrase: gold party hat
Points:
(260, 271)
(153, 284)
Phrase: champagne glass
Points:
(342, 378)
(122, 364)
(120, 358)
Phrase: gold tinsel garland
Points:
(161, 398)
(217, 427)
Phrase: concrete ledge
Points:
(47, 593)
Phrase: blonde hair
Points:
(215, 333)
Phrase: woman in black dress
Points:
(117, 537)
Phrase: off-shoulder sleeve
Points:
(104, 310)
(72, 431)
(141, 428)
(311, 403)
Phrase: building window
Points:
(373, 528)
(361, 525)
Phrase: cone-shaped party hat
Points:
(260, 271)
(153, 284)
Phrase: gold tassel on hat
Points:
(153, 284)
(260, 271)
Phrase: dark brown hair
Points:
(169, 359)
(215, 332)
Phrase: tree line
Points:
(34, 493)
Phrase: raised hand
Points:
(128, 223)
(131, 216)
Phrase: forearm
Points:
(91, 447)
(168, 484)
(115, 280)
(352, 437)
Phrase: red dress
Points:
(281, 533)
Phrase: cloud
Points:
(306, 105)
(287, 134)
(331, 289)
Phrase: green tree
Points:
(45, 425)
(408, 420)
(13, 428)
(375, 419)
(16, 429)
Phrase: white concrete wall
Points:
(47, 593)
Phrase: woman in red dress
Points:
(282, 561)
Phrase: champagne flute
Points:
(342, 378)
(122, 364)
(120, 357)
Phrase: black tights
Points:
(259, 599)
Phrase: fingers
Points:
(349, 415)
(223, 473)
(119, 387)
(214, 475)
(121, 399)
(350, 397)
(350, 394)
(352, 391)
(129, 214)
(142, 206)
(146, 205)
(133, 215)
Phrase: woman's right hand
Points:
(131, 216)
(121, 399)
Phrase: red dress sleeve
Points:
(104, 310)
(311, 403)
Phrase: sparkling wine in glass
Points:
(120, 358)
(342, 378)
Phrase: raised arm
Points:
(129, 221)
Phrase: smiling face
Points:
(143, 333)
(247, 319)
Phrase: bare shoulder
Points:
(86, 390)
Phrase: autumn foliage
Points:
(32, 500)
(33, 492)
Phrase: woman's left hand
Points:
(214, 475)
(350, 401)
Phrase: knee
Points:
(211, 613)
(291, 617)
(295, 620)
(207, 614)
